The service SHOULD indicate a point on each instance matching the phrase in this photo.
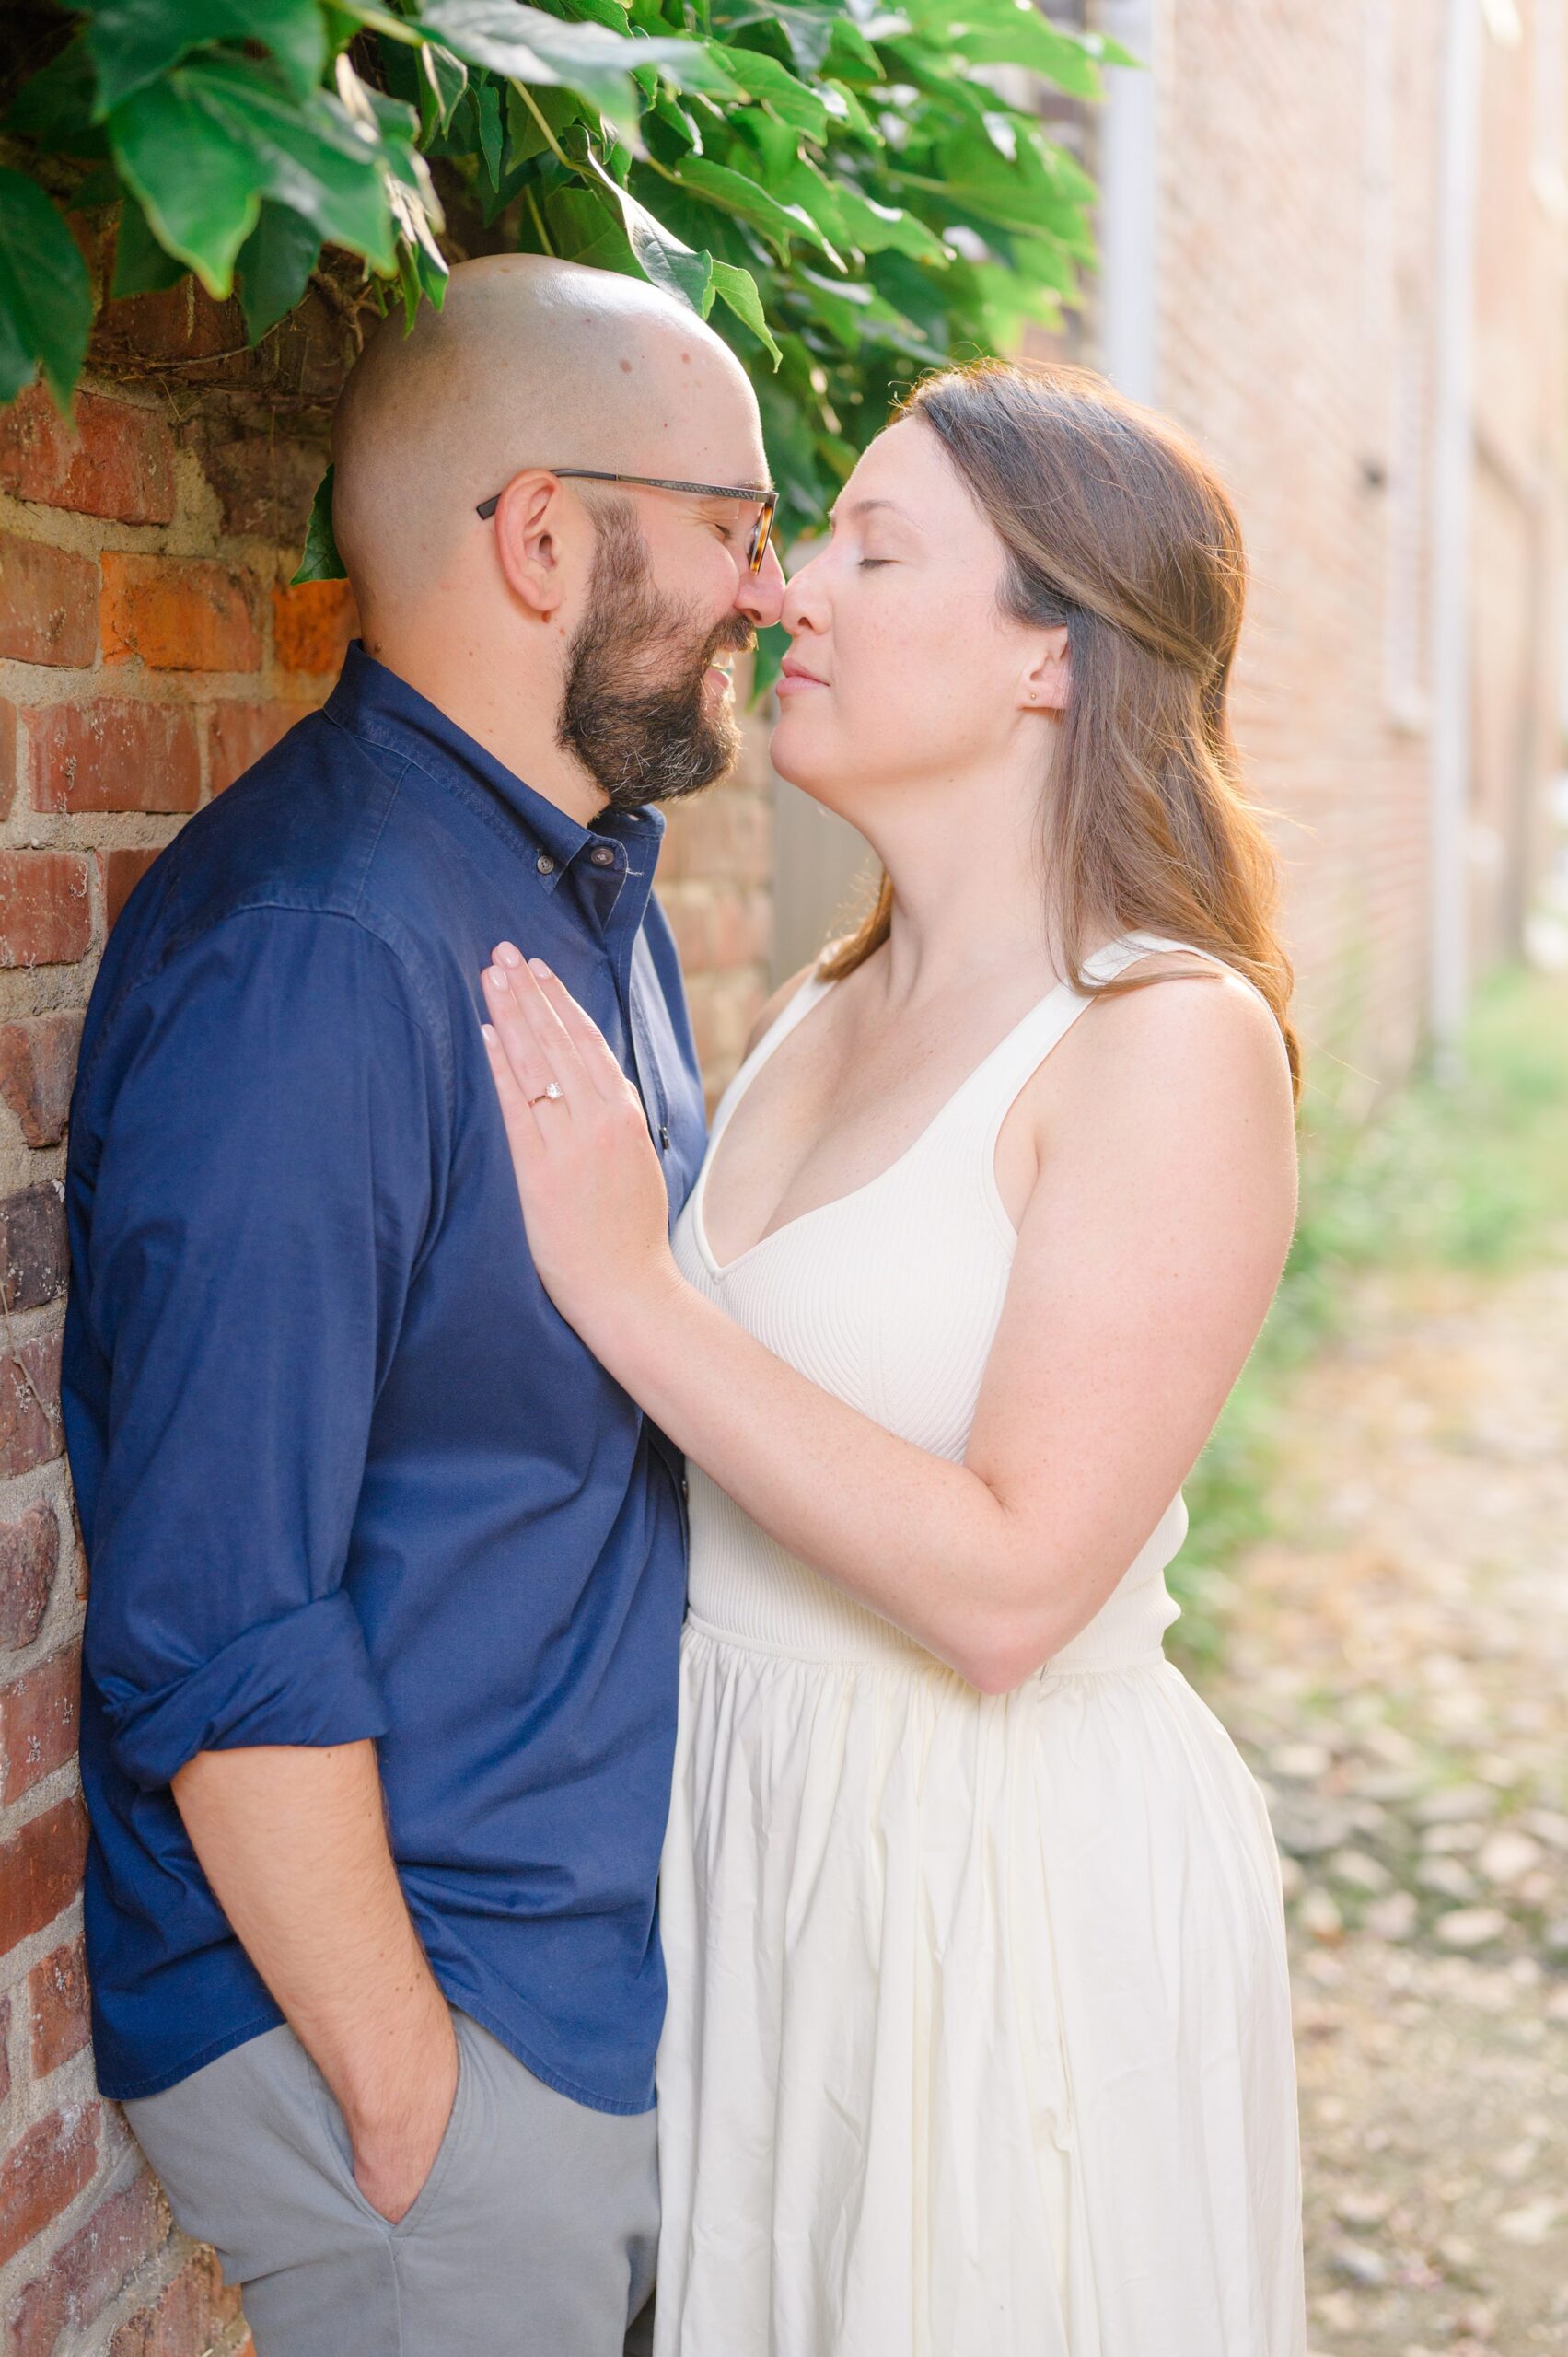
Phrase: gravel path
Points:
(1397, 1675)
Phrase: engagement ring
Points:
(554, 1089)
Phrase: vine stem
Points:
(527, 97)
(538, 223)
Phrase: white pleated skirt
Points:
(979, 2041)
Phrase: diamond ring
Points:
(554, 1089)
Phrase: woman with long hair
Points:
(979, 2036)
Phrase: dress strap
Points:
(797, 1004)
(1004, 1076)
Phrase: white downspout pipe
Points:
(1454, 455)
(1128, 218)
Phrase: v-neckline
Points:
(720, 1270)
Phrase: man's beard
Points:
(637, 712)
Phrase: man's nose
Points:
(760, 594)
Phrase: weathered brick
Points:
(7, 751)
(185, 2318)
(32, 1246)
(118, 462)
(89, 2271)
(312, 625)
(44, 2171)
(47, 603)
(37, 1066)
(182, 323)
(29, 1556)
(179, 613)
(265, 485)
(45, 908)
(40, 1870)
(239, 734)
(40, 1714)
(115, 753)
(59, 2007)
(122, 871)
(29, 1404)
(5, 2052)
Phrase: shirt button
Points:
(602, 856)
(544, 863)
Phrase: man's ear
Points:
(1048, 682)
(531, 524)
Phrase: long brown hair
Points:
(1116, 527)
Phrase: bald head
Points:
(529, 362)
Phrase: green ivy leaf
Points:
(764, 77)
(581, 229)
(773, 646)
(1024, 38)
(200, 189)
(526, 45)
(446, 77)
(808, 31)
(734, 194)
(487, 104)
(320, 561)
(56, 109)
(665, 260)
(46, 298)
(136, 41)
(140, 265)
(201, 149)
(737, 290)
(274, 267)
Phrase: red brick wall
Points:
(149, 649)
(1297, 259)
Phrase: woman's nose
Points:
(804, 604)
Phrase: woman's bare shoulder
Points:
(1190, 1009)
(1192, 1060)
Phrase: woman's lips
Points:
(794, 677)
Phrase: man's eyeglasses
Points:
(763, 501)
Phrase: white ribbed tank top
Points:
(890, 1298)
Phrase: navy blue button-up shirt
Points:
(344, 1470)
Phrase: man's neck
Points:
(514, 720)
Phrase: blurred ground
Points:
(1387, 1641)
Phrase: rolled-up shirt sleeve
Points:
(267, 1178)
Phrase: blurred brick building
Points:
(1335, 246)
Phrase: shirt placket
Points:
(620, 894)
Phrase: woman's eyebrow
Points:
(863, 507)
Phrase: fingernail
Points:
(499, 977)
(508, 956)
(487, 1033)
(540, 968)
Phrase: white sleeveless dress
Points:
(979, 2041)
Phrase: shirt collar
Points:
(374, 704)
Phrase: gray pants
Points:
(534, 2235)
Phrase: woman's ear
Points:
(531, 525)
(1048, 682)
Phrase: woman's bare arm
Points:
(1146, 1259)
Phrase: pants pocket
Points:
(341, 2144)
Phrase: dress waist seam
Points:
(914, 1659)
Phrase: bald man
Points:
(387, 1574)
